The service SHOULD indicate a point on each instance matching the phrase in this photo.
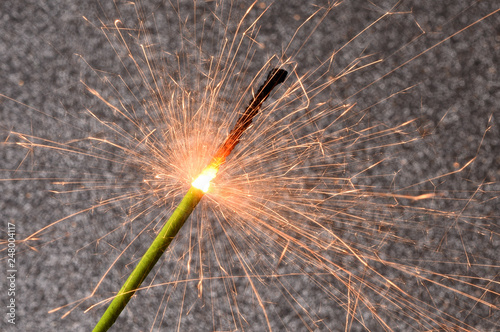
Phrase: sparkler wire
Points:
(186, 206)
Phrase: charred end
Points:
(276, 76)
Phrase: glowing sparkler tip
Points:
(202, 182)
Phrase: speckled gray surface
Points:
(47, 49)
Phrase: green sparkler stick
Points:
(187, 205)
(147, 262)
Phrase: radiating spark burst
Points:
(306, 225)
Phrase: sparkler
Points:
(188, 204)
(310, 224)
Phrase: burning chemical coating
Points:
(202, 182)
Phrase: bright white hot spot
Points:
(202, 182)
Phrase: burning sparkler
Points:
(199, 186)
(310, 223)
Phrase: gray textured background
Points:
(40, 66)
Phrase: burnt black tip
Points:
(277, 76)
